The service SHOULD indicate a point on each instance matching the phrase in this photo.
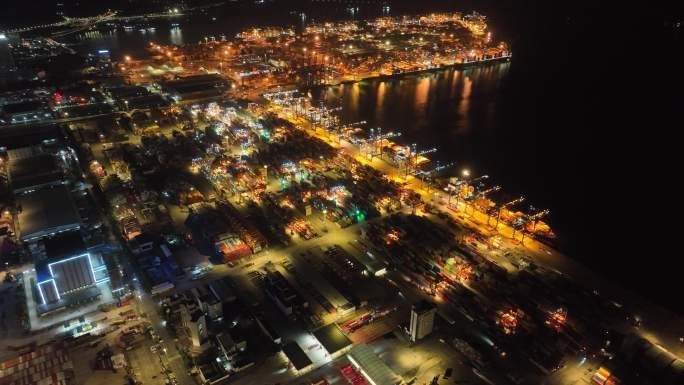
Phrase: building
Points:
(422, 320)
(298, 359)
(231, 247)
(333, 340)
(31, 169)
(651, 361)
(66, 274)
(229, 346)
(282, 293)
(25, 112)
(222, 290)
(46, 212)
(373, 369)
(208, 302)
(195, 87)
(194, 323)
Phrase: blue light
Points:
(69, 259)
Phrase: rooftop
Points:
(372, 367)
(46, 212)
(332, 338)
(30, 172)
(296, 355)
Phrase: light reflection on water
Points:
(454, 110)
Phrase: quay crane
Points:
(339, 127)
(483, 194)
(378, 137)
(537, 216)
(464, 182)
(503, 206)
(429, 173)
(414, 153)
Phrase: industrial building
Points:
(25, 112)
(298, 359)
(373, 369)
(333, 340)
(657, 364)
(282, 293)
(66, 274)
(422, 320)
(46, 212)
(31, 169)
(195, 87)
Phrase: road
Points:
(659, 325)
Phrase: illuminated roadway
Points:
(658, 325)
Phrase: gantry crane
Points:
(465, 183)
(429, 173)
(412, 167)
(503, 206)
(483, 194)
(339, 127)
(537, 216)
(377, 137)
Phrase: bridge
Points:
(77, 24)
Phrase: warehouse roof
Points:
(370, 365)
(47, 211)
(296, 355)
(331, 338)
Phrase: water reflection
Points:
(176, 36)
(454, 110)
(380, 98)
(421, 95)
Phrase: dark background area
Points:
(600, 85)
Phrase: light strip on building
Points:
(69, 259)
(40, 289)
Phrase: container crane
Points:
(339, 127)
(503, 206)
(459, 185)
(378, 137)
(412, 167)
(428, 173)
(537, 216)
(483, 194)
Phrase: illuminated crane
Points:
(465, 183)
(339, 127)
(377, 137)
(503, 206)
(412, 167)
(428, 173)
(483, 194)
(537, 216)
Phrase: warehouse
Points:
(46, 212)
(371, 367)
(66, 273)
(297, 357)
(333, 340)
(30, 171)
